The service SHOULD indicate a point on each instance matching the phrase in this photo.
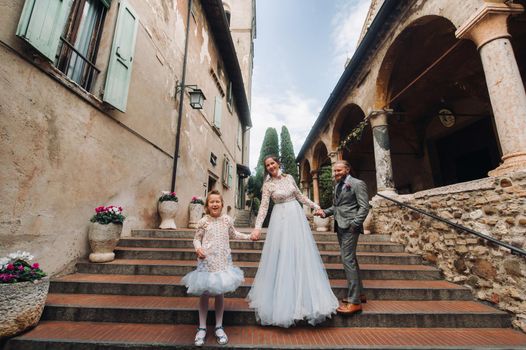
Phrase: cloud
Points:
(291, 108)
(347, 25)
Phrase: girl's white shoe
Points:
(221, 337)
(200, 337)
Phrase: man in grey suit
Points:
(350, 207)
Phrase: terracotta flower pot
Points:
(195, 213)
(103, 240)
(21, 305)
(167, 211)
(321, 224)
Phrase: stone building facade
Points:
(439, 88)
(89, 100)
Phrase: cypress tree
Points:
(270, 146)
(288, 159)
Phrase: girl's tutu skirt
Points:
(201, 281)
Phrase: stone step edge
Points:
(338, 266)
(339, 283)
(250, 337)
(126, 302)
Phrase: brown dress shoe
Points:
(349, 309)
(363, 299)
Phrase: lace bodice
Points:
(281, 189)
(213, 235)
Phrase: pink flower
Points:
(10, 267)
(173, 194)
(21, 268)
(194, 198)
(120, 208)
(35, 266)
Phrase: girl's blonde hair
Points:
(213, 192)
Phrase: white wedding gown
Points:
(291, 282)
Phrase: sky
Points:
(300, 52)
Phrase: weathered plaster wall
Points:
(60, 159)
(63, 153)
(493, 206)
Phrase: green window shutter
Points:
(225, 171)
(120, 66)
(42, 23)
(217, 112)
(230, 175)
(106, 3)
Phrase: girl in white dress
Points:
(291, 282)
(215, 273)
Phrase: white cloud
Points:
(291, 109)
(346, 28)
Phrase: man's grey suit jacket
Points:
(352, 205)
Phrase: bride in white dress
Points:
(291, 282)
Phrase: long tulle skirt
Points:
(291, 282)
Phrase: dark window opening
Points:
(79, 44)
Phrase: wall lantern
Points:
(197, 98)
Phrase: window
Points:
(227, 172)
(78, 45)
(67, 33)
(239, 135)
(213, 159)
(229, 96)
(217, 112)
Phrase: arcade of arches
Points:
(454, 105)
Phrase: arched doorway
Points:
(441, 130)
(359, 153)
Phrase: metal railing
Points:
(514, 250)
(76, 66)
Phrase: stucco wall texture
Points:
(63, 152)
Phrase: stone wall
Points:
(492, 206)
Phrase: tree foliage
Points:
(288, 159)
(326, 186)
(270, 146)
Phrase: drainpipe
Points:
(181, 97)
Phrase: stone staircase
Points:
(138, 302)
(242, 218)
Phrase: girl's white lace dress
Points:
(215, 274)
(291, 282)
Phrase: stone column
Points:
(334, 156)
(305, 191)
(382, 154)
(315, 187)
(487, 28)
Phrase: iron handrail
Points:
(514, 250)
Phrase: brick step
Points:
(182, 267)
(189, 233)
(250, 245)
(239, 255)
(183, 310)
(172, 286)
(62, 335)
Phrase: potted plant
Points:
(104, 233)
(195, 211)
(23, 291)
(167, 208)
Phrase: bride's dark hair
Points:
(274, 158)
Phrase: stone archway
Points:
(359, 153)
(441, 130)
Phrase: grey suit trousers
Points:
(348, 242)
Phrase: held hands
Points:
(320, 212)
(256, 233)
(200, 253)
